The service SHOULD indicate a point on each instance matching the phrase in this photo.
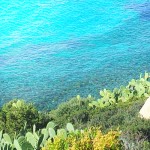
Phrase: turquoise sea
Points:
(52, 50)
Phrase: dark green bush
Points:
(15, 114)
(81, 115)
(75, 110)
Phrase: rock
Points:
(145, 110)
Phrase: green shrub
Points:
(83, 116)
(75, 111)
(15, 114)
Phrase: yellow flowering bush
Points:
(91, 139)
(107, 141)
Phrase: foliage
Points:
(91, 139)
(61, 139)
(84, 116)
(15, 114)
(124, 115)
(27, 140)
(136, 143)
(75, 111)
(134, 90)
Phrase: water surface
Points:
(51, 50)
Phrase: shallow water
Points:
(51, 51)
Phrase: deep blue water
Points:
(52, 50)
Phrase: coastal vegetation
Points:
(111, 122)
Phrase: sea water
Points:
(52, 50)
